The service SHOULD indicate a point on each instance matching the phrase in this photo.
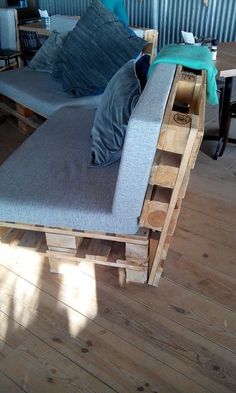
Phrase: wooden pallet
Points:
(65, 247)
(142, 255)
(177, 149)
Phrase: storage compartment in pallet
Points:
(165, 169)
(104, 252)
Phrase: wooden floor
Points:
(83, 332)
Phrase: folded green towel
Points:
(196, 57)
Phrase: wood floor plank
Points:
(38, 368)
(164, 340)
(113, 358)
(212, 284)
(224, 189)
(212, 207)
(199, 314)
(205, 251)
(8, 386)
(211, 228)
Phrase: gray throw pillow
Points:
(94, 51)
(112, 116)
(47, 56)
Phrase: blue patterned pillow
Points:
(112, 116)
(94, 51)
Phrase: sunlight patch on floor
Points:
(79, 292)
(15, 292)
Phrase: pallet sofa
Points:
(124, 215)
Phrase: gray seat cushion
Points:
(39, 92)
(47, 181)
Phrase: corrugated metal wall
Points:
(218, 20)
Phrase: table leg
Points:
(224, 118)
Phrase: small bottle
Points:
(214, 44)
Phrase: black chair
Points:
(30, 43)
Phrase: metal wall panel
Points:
(218, 20)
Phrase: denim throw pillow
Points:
(94, 51)
(47, 56)
(112, 116)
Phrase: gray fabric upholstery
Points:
(94, 51)
(112, 116)
(47, 181)
(46, 57)
(140, 142)
(39, 92)
(7, 28)
(62, 23)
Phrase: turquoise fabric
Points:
(118, 8)
(196, 57)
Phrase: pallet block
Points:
(143, 255)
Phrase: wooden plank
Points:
(7, 385)
(168, 110)
(70, 259)
(151, 36)
(206, 252)
(140, 238)
(35, 366)
(98, 250)
(211, 206)
(199, 278)
(177, 132)
(211, 228)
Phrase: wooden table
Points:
(36, 27)
(226, 65)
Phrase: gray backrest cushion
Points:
(141, 141)
(8, 31)
(94, 51)
(112, 116)
(47, 56)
